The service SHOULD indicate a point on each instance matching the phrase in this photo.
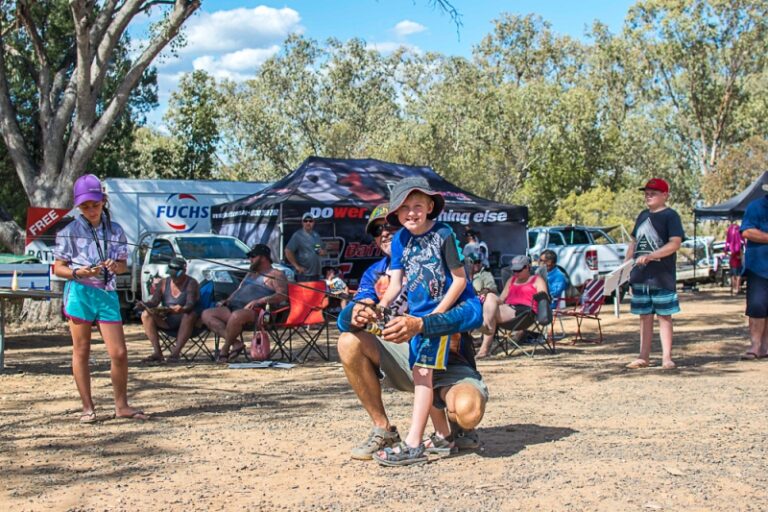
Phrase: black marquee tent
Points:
(342, 193)
(735, 206)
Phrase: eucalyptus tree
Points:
(68, 50)
(697, 59)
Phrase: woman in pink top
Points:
(734, 247)
(515, 299)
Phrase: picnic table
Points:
(8, 294)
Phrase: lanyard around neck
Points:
(103, 254)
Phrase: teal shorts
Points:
(647, 300)
(88, 304)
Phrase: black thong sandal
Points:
(401, 455)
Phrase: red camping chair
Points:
(305, 320)
(588, 308)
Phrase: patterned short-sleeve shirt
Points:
(76, 245)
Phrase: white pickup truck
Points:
(220, 259)
(582, 251)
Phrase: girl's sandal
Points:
(401, 455)
(88, 417)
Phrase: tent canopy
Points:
(735, 206)
(341, 194)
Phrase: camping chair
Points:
(536, 325)
(588, 308)
(195, 345)
(305, 320)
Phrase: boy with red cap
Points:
(656, 237)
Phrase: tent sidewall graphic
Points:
(341, 195)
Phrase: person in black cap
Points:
(178, 295)
(304, 250)
(261, 286)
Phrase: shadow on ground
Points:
(508, 440)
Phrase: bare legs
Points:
(494, 312)
(646, 339)
(227, 324)
(359, 354)
(81, 351)
(150, 323)
(758, 333)
(360, 357)
(114, 340)
(185, 332)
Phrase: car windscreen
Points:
(211, 248)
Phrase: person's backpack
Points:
(206, 297)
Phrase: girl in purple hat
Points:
(90, 251)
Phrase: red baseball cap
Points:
(657, 184)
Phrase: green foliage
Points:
(600, 206)
(193, 118)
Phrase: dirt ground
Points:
(571, 431)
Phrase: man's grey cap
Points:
(519, 262)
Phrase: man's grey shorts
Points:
(394, 369)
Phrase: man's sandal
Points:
(401, 455)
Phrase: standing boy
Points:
(427, 253)
(656, 237)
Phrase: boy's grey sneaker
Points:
(378, 439)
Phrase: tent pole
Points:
(694, 287)
(282, 231)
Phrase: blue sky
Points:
(231, 38)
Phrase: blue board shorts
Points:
(395, 370)
(88, 304)
(647, 300)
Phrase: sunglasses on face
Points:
(518, 271)
(378, 229)
(308, 221)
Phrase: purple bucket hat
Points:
(87, 188)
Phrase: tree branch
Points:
(11, 133)
(92, 136)
(43, 74)
(109, 35)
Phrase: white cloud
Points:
(390, 46)
(238, 66)
(223, 31)
(408, 27)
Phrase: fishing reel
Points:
(385, 315)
